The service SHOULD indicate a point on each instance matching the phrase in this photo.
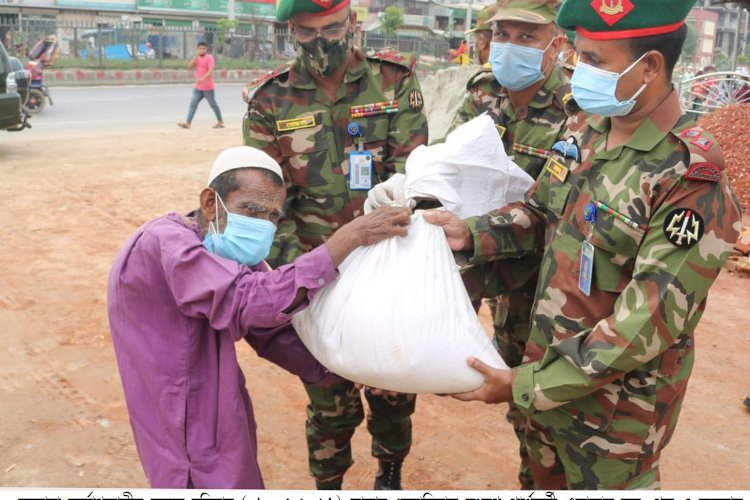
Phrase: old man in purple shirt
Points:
(184, 289)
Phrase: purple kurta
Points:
(175, 312)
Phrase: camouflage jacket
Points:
(609, 371)
(528, 135)
(292, 120)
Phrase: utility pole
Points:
(469, 14)
(736, 40)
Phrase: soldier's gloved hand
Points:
(390, 193)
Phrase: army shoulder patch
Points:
(683, 227)
(416, 101)
(703, 171)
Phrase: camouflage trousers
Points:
(335, 412)
(511, 318)
(558, 464)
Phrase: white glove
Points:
(390, 192)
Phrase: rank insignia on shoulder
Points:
(568, 149)
(416, 101)
(703, 143)
(557, 169)
(703, 171)
(683, 227)
(690, 133)
(295, 123)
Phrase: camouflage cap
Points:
(619, 19)
(483, 18)
(286, 9)
(527, 11)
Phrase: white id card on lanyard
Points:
(586, 271)
(360, 170)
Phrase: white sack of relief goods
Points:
(398, 318)
(470, 173)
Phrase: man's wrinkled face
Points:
(256, 196)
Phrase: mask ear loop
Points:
(643, 87)
(214, 226)
(545, 50)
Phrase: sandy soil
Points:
(67, 211)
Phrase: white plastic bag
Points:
(469, 173)
(399, 318)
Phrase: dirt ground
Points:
(64, 423)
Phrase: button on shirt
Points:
(175, 312)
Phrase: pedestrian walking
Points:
(204, 66)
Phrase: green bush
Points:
(124, 64)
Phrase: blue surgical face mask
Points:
(594, 90)
(246, 240)
(516, 67)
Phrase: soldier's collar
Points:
(652, 131)
(359, 70)
(545, 96)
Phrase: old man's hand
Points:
(369, 229)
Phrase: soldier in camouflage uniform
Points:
(635, 218)
(310, 116)
(530, 120)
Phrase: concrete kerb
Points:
(87, 77)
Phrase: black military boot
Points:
(333, 484)
(389, 475)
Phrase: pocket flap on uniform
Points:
(616, 236)
(301, 135)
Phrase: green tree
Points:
(393, 19)
(722, 62)
(225, 28)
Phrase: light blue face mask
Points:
(516, 67)
(594, 90)
(246, 240)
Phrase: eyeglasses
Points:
(331, 32)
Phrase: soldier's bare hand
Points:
(497, 386)
(456, 230)
(378, 225)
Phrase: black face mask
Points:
(322, 56)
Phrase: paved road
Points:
(81, 110)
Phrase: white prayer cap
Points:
(241, 157)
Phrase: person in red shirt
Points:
(203, 63)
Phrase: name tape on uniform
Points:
(295, 123)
